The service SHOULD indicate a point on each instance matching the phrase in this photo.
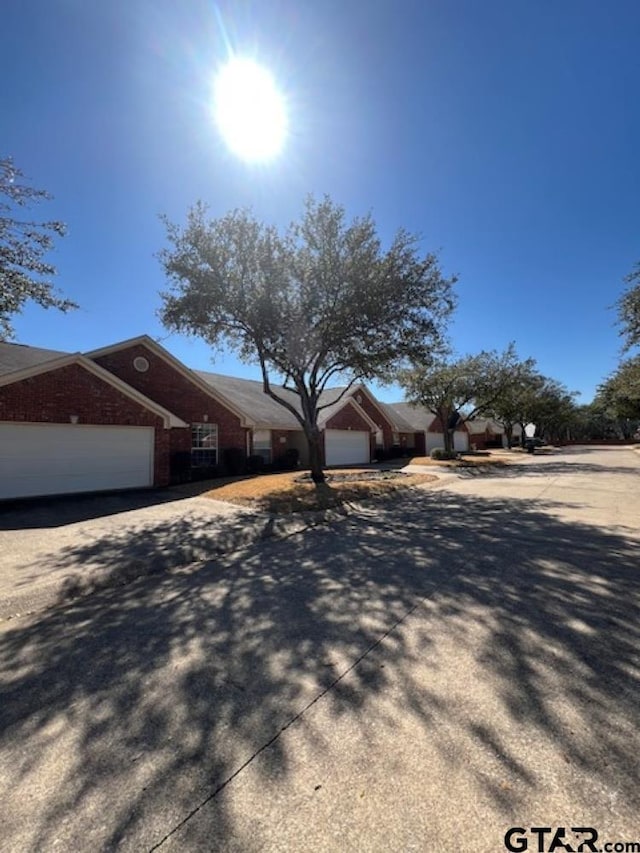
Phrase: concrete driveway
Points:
(53, 549)
(422, 675)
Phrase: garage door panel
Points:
(434, 440)
(347, 447)
(44, 459)
(460, 441)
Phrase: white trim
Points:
(172, 361)
(170, 420)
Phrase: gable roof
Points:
(478, 425)
(248, 396)
(194, 376)
(418, 417)
(41, 365)
(399, 421)
(326, 414)
(18, 356)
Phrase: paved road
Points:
(419, 676)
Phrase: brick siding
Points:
(378, 417)
(348, 418)
(167, 386)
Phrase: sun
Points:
(249, 110)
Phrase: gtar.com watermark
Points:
(573, 839)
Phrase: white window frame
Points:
(262, 444)
(204, 445)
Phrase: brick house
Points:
(485, 433)
(131, 415)
(429, 431)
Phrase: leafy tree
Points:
(320, 302)
(457, 390)
(628, 306)
(514, 401)
(598, 421)
(552, 409)
(23, 245)
(620, 393)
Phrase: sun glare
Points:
(249, 110)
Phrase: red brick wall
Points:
(348, 418)
(278, 447)
(377, 417)
(54, 396)
(175, 392)
(407, 439)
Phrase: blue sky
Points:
(506, 133)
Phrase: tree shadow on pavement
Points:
(547, 468)
(57, 511)
(122, 712)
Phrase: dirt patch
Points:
(294, 492)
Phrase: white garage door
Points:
(460, 441)
(434, 439)
(347, 447)
(52, 459)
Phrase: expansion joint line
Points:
(288, 724)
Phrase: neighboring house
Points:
(485, 433)
(69, 425)
(428, 429)
(352, 421)
(132, 415)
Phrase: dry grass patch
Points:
(462, 462)
(287, 493)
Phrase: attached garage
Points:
(69, 426)
(45, 459)
(460, 441)
(434, 439)
(347, 447)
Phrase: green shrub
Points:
(255, 464)
(233, 460)
(440, 453)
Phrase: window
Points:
(204, 445)
(395, 438)
(262, 444)
(379, 438)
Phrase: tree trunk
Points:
(508, 431)
(448, 440)
(314, 440)
(523, 436)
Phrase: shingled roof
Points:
(248, 396)
(419, 418)
(15, 357)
